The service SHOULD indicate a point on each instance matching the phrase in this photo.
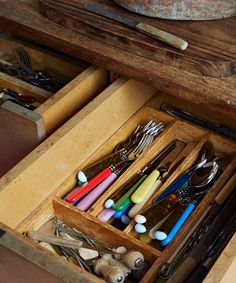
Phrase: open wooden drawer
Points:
(22, 129)
(44, 177)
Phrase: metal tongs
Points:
(218, 128)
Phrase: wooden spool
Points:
(182, 9)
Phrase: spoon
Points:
(205, 155)
(168, 204)
(170, 228)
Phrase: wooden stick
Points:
(55, 240)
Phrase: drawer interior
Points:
(40, 59)
(193, 136)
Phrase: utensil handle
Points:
(99, 165)
(122, 202)
(155, 214)
(174, 186)
(163, 36)
(91, 197)
(111, 273)
(121, 191)
(119, 213)
(138, 206)
(142, 191)
(106, 214)
(189, 209)
(162, 232)
(79, 192)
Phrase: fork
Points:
(24, 61)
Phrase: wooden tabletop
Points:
(25, 20)
(210, 54)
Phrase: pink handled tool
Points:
(106, 214)
(91, 197)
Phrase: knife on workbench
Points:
(152, 31)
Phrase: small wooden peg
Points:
(112, 274)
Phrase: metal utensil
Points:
(205, 155)
(218, 128)
(156, 212)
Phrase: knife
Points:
(131, 185)
(142, 191)
(161, 35)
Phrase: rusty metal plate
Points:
(182, 9)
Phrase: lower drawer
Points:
(50, 171)
(30, 127)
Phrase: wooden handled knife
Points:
(152, 31)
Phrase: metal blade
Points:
(170, 158)
(157, 160)
(173, 169)
(119, 17)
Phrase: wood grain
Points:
(26, 270)
(73, 97)
(215, 94)
(153, 272)
(101, 232)
(205, 55)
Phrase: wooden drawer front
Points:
(29, 128)
(91, 134)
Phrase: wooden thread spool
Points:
(112, 274)
(132, 259)
(115, 262)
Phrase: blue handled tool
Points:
(119, 213)
(189, 209)
(179, 183)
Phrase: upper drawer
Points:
(55, 102)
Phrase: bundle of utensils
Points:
(168, 212)
(24, 71)
(113, 264)
(99, 176)
(197, 253)
(162, 219)
(29, 102)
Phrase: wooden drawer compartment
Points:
(90, 227)
(59, 160)
(30, 127)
